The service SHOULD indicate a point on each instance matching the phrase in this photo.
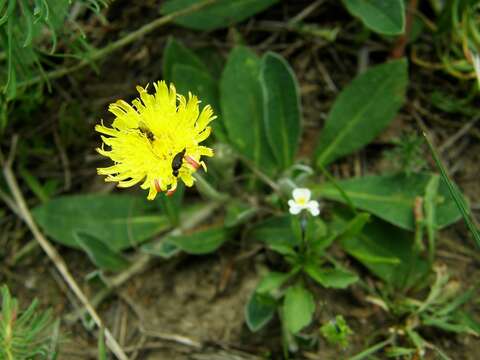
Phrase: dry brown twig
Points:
(26, 216)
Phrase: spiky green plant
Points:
(23, 335)
(28, 31)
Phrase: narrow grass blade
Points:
(467, 217)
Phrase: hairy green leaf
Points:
(362, 110)
(121, 221)
(392, 197)
(220, 14)
(241, 101)
(282, 113)
(298, 308)
(259, 311)
(382, 16)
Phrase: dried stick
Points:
(53, 254)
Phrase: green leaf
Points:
(238, 213)
(102, 349)
(259, 311)
(175, 53)
(282, 113)
(120, 221)
(455, 194)
(336, 331)
(163, 249)
(272, 281)
(275, 231)
(241, 101)
(384, 17)
(170, 205)
(100, 253)
(392, 197)
(189, 79)
(221, 14)
(34, 184)
(298, 308)
(388, 253)
(331, 278)
(190, 74)
(362, 110)
(200, 242)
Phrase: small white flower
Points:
(301, 201)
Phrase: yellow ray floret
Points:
(155, 140)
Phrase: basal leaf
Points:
(298, 308)
(259, 311)
(241, 101)
(200, 83)
(200, 242)
(221, 14)
(176, 53)
(362, 110)
(121, 221)
(190, 74)
(273, 280)
(382, 16)
(387, 252)
(331, 278)
(100, 253)
(392, 197)
(275, 231)
(282, 113)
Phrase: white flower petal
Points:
(295, 209)
(314, 207)
(301, 193)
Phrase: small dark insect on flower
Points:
(177, 162)
(148, 134)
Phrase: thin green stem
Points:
(208, 190)
(371, 350)
(459, 201)
(116, 45)
(343, 194)
(262, 176)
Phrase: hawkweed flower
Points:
(156, 140)
(301, 201)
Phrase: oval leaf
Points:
(200, 83)
(273, 280)
(222, 13)
(362, 110)
(384, 17)
(201, 242)
(120, 221)
(331, 278)
(298, 308)
(388, 252)
(242, 107)
(100, 253)
(392, 197)
(259, 311)
(282, 114)
(176, 53)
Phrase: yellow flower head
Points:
(156, 140)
